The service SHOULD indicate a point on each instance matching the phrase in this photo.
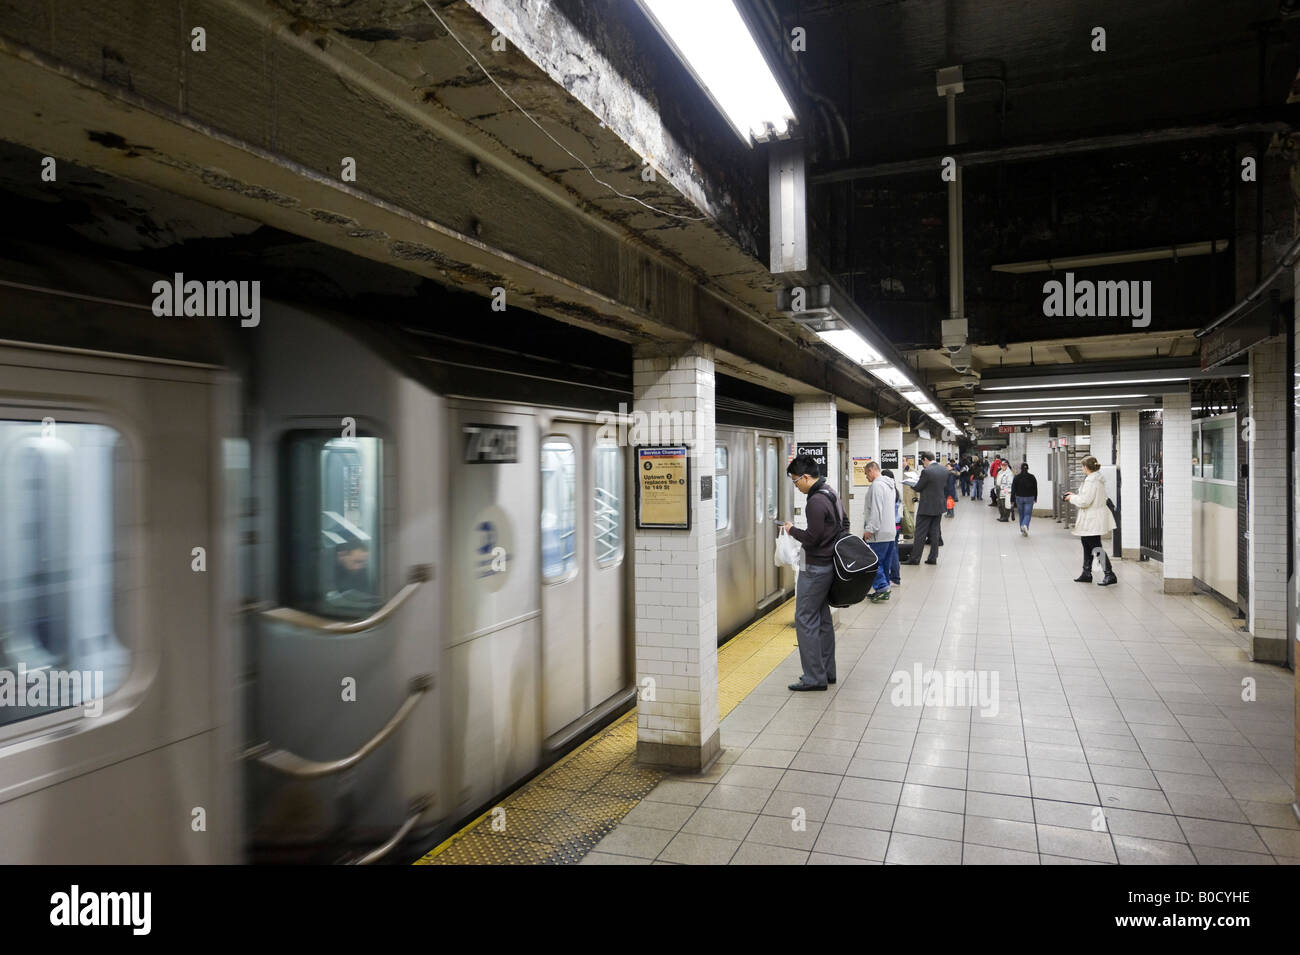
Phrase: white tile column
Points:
(1266, 563)
(1130, 502)
(676, 575)
(814, 420)
(864, 442)
(1099, 431)
(891, 439)
(1036, 454)
(912, 446)
(1176, 465)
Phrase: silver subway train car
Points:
(334, 607)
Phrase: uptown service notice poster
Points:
(663, 488)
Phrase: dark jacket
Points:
(950, 488)
(931, 488)
(823, 526)
(1024, 485)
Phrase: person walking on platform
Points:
(963, 473)
(1004, 492)
(950, 489)
(1093, 522)
(880, 532)
(993, 479)
(929, 509)
(1024, 491)
(895, 568)
(812, 610)
(977, 472)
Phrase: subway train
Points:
(326, 603)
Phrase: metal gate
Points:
(1151, 452)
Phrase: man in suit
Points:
(930, 488)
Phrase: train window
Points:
(721, 500)
(332, 495)
(63, 518)
(1218, 449)
(773, 480)
(607, 504)
(559, 516)
(758, 480)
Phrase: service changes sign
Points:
(663, 476)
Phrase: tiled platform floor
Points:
(1120, 733)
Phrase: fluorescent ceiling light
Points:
(1088, 409)
(1003, 401)
(891, 376)
(712, 40)
(1092, 384)
(850, 343)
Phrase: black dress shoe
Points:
(831, 680)
(932, 561)
(798, 687)
(1083, 579)
(1104, 582)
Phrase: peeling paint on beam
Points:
(228, 171)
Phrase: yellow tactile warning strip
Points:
(558, 817)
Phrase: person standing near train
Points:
(813, 627)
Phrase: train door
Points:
(582, 540)
(494, 644)
(114, 612)
(767, 495)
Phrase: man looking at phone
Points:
(812, 609)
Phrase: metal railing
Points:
(419, 805)
(418, 575)
(291, 764)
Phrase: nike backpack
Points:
(854, 562)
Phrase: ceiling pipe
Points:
(1258, 122)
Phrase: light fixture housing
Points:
(713, 42)
(850, 344)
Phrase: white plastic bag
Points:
(787, 550)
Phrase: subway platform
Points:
(1102, 726)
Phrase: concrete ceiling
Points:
(550, 197)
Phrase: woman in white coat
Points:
(1093, 521)
(1003, 482)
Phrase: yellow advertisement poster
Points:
(662, 476)
(860, 472)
